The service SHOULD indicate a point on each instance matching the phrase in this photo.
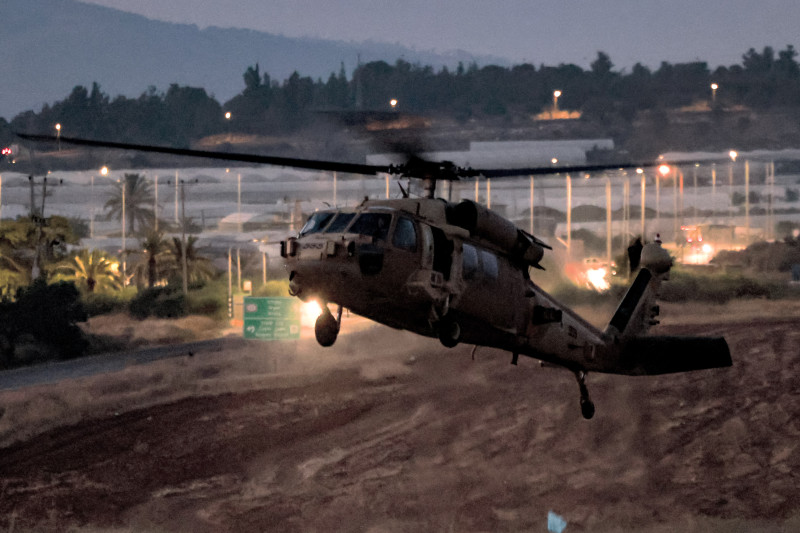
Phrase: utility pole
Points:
(608, 222)
(644, 208)
(184, 265)
(124, 244)
(569, 218)
(531, 199)
(155, 205)
(239, 202)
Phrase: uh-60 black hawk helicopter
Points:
(461, 273)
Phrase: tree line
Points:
(764, 80)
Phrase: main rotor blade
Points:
(308, 164)
(572, 169)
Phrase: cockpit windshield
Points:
(316, 222)
(339, 223)
(372, 224)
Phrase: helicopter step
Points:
(327, 327)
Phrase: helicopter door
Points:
(426, 240)
(442, 253)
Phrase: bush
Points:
(45, 315)
(717, 289)
(159, 302)
(102, 304)
(277, 287)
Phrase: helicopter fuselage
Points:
(404, 264)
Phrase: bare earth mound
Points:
(390, 432)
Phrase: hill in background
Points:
(50, 46)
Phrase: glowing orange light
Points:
(310, 310)
(597, 279)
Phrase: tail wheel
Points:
(587, 408)
(449, 333)
(326, 329)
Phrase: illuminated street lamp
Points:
(123, 182)
(714, 88)
(103, 172)
(663, 170)
(58, 135)
(393, 103)
(228, 124)
(732, 154)
(641, 174)
(556, 95)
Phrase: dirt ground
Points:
(389, 432)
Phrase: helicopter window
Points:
(470, 258)
(489, 263)
(340, 222)
(316, 223)
(373, 224)
(405, 235)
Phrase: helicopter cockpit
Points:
(374, 224)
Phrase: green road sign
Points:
(271, 319)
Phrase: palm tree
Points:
(138, 202)
(156, 250)
(198, 267)
(16, 255)
(92, 269)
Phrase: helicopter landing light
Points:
(309, 312)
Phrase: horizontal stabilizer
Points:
(653, 355)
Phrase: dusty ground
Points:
(390, 432)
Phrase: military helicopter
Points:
(461, 273)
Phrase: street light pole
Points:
(569, 217)
(239, 202)
(531, 224)
(91, 210)
(124, 248)
(556, 94)
(644, 238)
(608, 221)
(747, 201)
(184, 265)
(155, 205)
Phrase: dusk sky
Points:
(549, 32)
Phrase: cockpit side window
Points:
(372, 224)
(340, 223)
(405, 235)
(316, 222)
(470, 265)
(491, 269)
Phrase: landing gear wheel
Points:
(326, 329)
(449, 333)
(587, 406)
